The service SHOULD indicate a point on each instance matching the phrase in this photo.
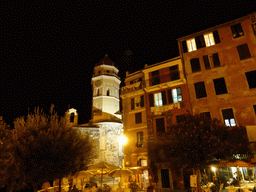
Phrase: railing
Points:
(156, 80)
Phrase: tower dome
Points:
(105, 61)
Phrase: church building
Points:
(106, 125)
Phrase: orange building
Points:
(220, 68)
(152, 98)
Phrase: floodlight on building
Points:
(122, 140)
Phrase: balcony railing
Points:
(156, 80)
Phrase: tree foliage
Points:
(46, 148)
(196, 141)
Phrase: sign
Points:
(193, 180)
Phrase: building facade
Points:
(220, 68)
(154, 98)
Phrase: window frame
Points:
(157, 120)
(198, 86)
(195, 65)
(250, 77)
(228, 118)
(243, 51)
(191, 44)
(140, 139)
(209, 39)
(237, 30)
(220, 85)
(138, 118)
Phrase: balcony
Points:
(160, 109)
(133, 87)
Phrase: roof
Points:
(105, 61)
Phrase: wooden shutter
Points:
(200, 41)
(216, 60)
(142, 100)
(151, 100)
(206, 62)
(216, 37)
(169, 92)
(132, 103)
(184, 45)
(164, 97)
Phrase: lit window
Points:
(158, 99)
(174, 95)
(191, 43)
(228, 117)
(209, 39)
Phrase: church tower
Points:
(105, 87)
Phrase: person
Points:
(75, 189)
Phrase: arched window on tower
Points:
(98, 92)
(72, 117)
(108, 91)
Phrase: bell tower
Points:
(105, 87)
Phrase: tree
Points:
(196, 141)
(46, 148)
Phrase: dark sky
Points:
(49, 48)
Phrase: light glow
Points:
(122, 140)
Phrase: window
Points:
(139, 139)
(251, 79)
(206, 115)
(142, 162)
(220, 86)
(200, 43)
(254, 107)
(165, 178)
(138, 118)
(160, 126)
(155, 80)
(211, 61)
(72, 117)
(243, 51)
(191, 44)
(195, 65)
(174, 72)
(174, 95)
(180, 118)
(209, 39)
(137, 102)
(228, 117)
(157, 99)
(237, 30)
(200, 90)
(108, 92)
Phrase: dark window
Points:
(237, 30)
(195, 65)
(216, 61)
(165, 178)
(216, 37)
(164, 97)
(206, 115)
(206, 62)
(174, 72)
(139, 139)
(228, 117)
(142, 100)
(184, 46)
(243, 51)
(180, 118)
(132, 104)
(200, 41)
(138, 118)
(72, 117)
(220, 86)
(160, 126)
(251, 79)
(200, 90)
(254, 107)
(108, 92)
(155, 80)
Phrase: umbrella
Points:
(120, 173)
(102, 166)
(82, 174)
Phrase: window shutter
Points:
(206, 62)
(132, 103)
(216, 37)
(184, 45)
(164, 97)
(169, 92)
(151, 100)
(200, 41)
(216, 60)
(142, 100)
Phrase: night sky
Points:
(49, 48)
